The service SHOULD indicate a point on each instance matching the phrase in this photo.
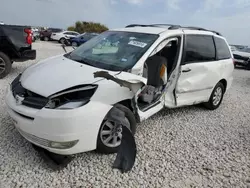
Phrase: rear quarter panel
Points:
(15, 34)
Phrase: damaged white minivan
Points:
(61, 103)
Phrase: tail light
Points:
(233, 62)
(29, 35)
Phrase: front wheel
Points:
(248, 66)
(74, 44)
(216, 97)
(110, 133)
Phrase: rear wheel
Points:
(62, 40)
(46, 38)
(5, 65)
(110, 133)
(216, 97)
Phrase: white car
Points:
(61, 103)
(62, 36)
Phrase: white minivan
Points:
(61, 103)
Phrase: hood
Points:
(57, 73)
(244, 54)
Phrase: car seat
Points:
(156, 71)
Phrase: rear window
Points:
(222, 49)
(199, 48)
(55, 30)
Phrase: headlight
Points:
(71, 98)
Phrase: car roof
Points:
(169, 28)
(148, 30)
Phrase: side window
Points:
(199, 48)
(73, 33)
(67, 33)
(87, 36)
(222, 49)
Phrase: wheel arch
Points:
(224, 82)
(130, 105)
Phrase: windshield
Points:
(113, 50)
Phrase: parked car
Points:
(61, 37)
(241, 57)
(61, 103)
(15, 45)
(45, 35)
(35, 35)
(80, 39)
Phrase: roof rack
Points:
(151, 25)
(172, 27)
(194, 28)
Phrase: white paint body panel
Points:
(58, 73)
(197, 84)
(61, 125)
(58, 36)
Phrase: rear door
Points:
(200, 71)
(225, 58)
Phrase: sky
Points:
(230, 17)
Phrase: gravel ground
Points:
(186, 147)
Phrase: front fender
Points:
(119, 87)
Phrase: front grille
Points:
(30, 99)
(34, 139)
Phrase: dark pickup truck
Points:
(46, 34)
(15, 45)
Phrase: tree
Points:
(82, 27)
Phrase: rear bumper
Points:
(26, 55)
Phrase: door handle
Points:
(186, 70)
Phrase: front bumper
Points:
(40, 127)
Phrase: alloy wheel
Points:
(217, 96)
(111, 133)
(2, 65)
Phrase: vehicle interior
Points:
(157, 70)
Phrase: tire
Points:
(62, 40)
(106, 149)
(213, 104)
(46, 39)
(248, 66)
(74, 44)
(5, 65)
